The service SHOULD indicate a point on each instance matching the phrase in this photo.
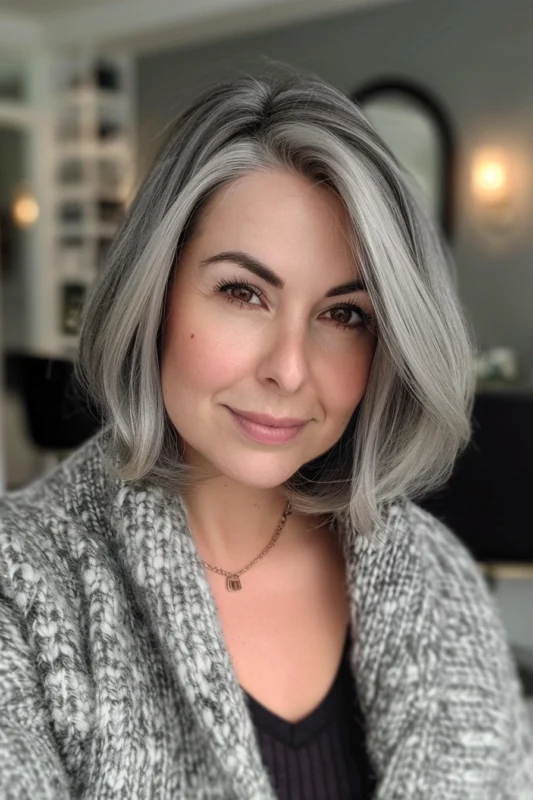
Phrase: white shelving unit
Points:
(79, 113)
(76, 111)
(93, 174)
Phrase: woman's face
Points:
(272, 343)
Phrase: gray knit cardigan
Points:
(115, 681)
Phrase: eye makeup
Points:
(225, 286)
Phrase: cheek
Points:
(345, 383)
(195, 357)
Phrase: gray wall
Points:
(476, 56)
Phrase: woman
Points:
(228, 592)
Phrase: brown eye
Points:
(226, 288)
(239, 290)
(342, 315)
(350, 316)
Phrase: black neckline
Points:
(294, 734)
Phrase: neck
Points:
(231, 523)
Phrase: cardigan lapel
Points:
(168, 574)
(396, 669)
(167, 571)
(400, 598)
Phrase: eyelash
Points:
(224, 285)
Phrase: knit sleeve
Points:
(517, 776)
(483, 676)
(30, 766)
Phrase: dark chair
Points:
(59, 417)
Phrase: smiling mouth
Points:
(265, 434)
(269, 421)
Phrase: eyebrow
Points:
(262, 271)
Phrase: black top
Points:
(323, 756)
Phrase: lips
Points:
(272, 422)
(266, 434)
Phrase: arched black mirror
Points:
(416, 128)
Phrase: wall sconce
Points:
(491, 186)
(25, 210)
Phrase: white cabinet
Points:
(93, 174)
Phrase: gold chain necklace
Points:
(233, 583)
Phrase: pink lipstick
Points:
(285, 429)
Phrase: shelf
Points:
(84, 148)
(507, 570)
(86, 193)
(87, 230)
(94, 96)
(93, 166)
(68, 346)
(504, 387)
(81, 273)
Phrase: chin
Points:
(259, 475)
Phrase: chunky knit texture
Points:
(115, 681)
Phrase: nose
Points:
(284, 359)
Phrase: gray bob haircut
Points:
(414, 418)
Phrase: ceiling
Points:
(142, 25)
(42, 7)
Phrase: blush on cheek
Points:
(200, 362)
(347, 390)
(346, 387)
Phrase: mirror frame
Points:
(432, 108)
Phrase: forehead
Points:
(279, 217)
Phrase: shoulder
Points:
(47, 531)
(435, 543)
(64, 487)
(433, 657)
(425, 582)
(425, 546)
(418, 550)
(457, 632)
(42, 525)
(451, 579)
(443, 576)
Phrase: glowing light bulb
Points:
(25, 211)
(493, 176)
(494, 187)
(490, 177)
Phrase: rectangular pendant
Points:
(233, 583)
